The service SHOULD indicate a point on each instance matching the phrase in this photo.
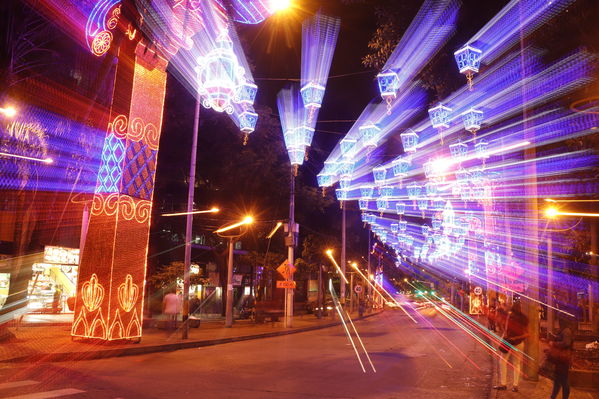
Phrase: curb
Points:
(132, 351)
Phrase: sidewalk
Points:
(53, 343)
(535, 390)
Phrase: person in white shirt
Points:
(171, 306)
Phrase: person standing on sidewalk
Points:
(560, 354)
(515, 331)
(171, 305)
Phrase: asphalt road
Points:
(411, 360)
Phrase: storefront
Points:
(54, 281)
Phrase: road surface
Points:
(421, 360)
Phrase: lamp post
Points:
(232, 234)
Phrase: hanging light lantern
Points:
(423, 204)
(458, 150)
(380, 175)
(370, 135)
(296, 155)
(367, 191)
(247, 121)
(345, 182)
(363, 204)
(438, 204)
(305, 135)
(387, 191)
(346, 168)
(409, 241)
(246, 94)
(482, 150)
(465, 192)
(468, 60)
(400, 166)
(365, 217)
(403, 226)
(477, 175)
(440, 117)
(324, 180)
(341, 194)
(348, 146)
(437, 223)
(394, 227)
(312, 95)
(473, 119)
(220, 75)
(388, 81)
(425, 230)
(413, 192)
(432, 188)
(400, 208)
(409, 140)
(382, 204)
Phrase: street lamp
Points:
(232, 234)
(9, 111)
(213, 210)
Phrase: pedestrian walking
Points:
(171, 305)
(514, 332)
(560, 354)
(492, 314)
(57, 299)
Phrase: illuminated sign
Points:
(61, 255)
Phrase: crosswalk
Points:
(55, 393)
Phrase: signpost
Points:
(358, 289)
(285, 284)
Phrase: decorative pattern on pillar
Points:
(112, 270)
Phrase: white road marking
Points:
(17, 384)
(48, 394)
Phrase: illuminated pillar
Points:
(112, 269)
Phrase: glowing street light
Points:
(247, 220)
(329, 253)
(280, 5)
(552, 213)
(9, 112)
(274, 230)
(212, 210)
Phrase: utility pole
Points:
(319, 301)
(369, 269)
(550, 312)
(189, 218)
(343, 260)
(351, 292)
(290, 247)
(229, 303)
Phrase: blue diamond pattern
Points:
(111, 168)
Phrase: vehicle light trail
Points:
(360, 340)
(44, 160)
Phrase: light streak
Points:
(337, 307)
(552, 213)
(360, 340)
(9, 111)
(246, 221)
(44, 160)
(274, 230)
(329, 253)
(213, 210)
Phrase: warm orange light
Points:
(9, 111)
(329, 252)
(213, 210)
(274, 230)
(246, 220)
(280, 5)
(551, 212)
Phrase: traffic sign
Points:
(478, 290)
(358, 289)
(286, 270)
(285, 284)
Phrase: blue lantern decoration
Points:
(400, 166)
(365, 218)
(413, 190)
(462, 175)
(431, 188)
(425, 230)
(369, 134)
(409, 140)
(388, 81)
(363, 204)
(387, 191)
(394, 227)
(345, 182)
(438, 204)
(346, 168)
(473, 119)
(468, 60)
(382, 204)
(409, 240)
(341, 194)
(437, 237)
(220, 75)
(403, 226)
(246, 94)
(482, 149)
(477, 175)
(247, 121)
(465, 192)
(440, 116)
(305, 135)
(312, 95)
(458, 150)
(296, 155)
(400, 208)
(367, 191)
(348, 146)
(437, 223)
(380, 175)
(372, 219)
(324, 180)
(423, 203)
